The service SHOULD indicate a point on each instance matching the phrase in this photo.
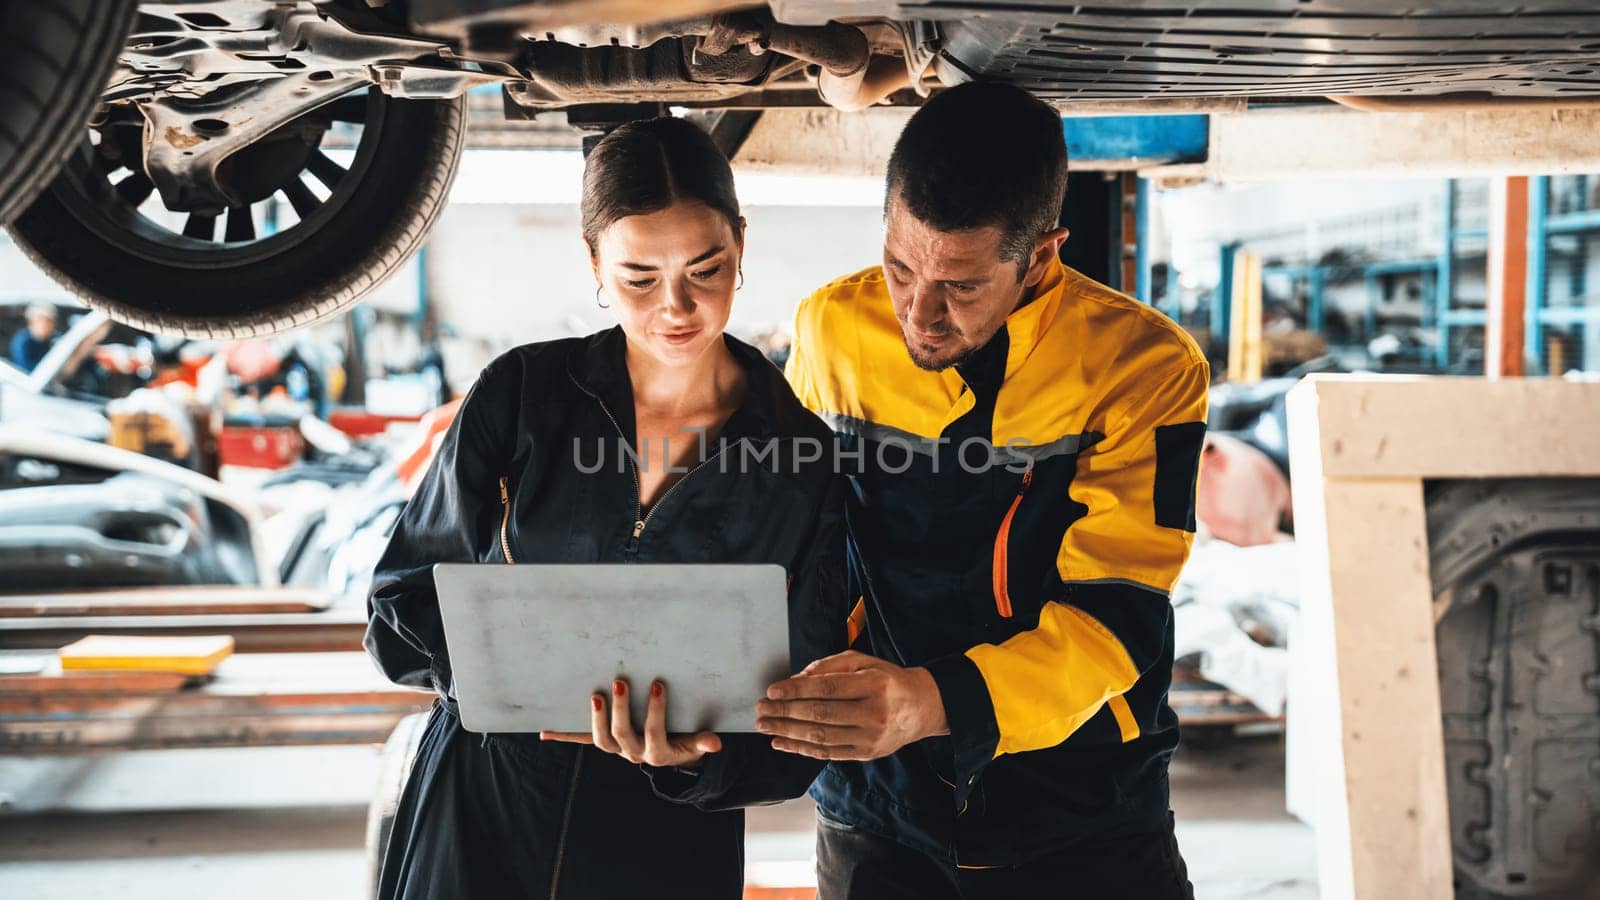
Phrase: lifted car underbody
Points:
(217, 91)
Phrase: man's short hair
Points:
(980, 154)
(39, 311)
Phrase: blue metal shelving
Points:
(1439, 275)
(1445, 314)
(1541, 315)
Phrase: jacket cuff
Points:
(680, 785)
(968, 711)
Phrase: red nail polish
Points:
(596, 701)
(617, 688)
(656, 689)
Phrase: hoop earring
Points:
(597, 299)
(741, 280)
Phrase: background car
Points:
(77, 514)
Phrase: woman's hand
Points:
(612, 731)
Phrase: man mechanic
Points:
(1023, 445)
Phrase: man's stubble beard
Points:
(961, 355)
(930, 365)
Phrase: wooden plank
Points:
(1506, 316)
(1327, 142)
(187, 600)
(1415, 427)
(1367, 689)
(52, 680)
(172, 733)
(332, 631)
(254, 699)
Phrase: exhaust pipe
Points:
(849, 77)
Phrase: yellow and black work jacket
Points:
(1016, 524)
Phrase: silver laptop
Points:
(530, 643)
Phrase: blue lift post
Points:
(1314, 300)
(1444, 281)
(1222, 299)
(1141, 217)
(1538, 265)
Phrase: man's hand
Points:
(851, 706)
(613, 731)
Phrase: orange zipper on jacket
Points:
(1002, 589)
(505, 518)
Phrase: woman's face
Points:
(670, 276)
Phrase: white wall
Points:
(518, 273)
(20, 280)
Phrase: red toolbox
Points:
(261, 447)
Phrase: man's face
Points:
(951, 289)
(41, 327)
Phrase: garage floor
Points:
(289, 823)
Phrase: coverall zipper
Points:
(566, 823)
(640, 521)
(577, 766)
(640, 517)
(1002, 575)
(505, 518)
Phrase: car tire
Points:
(309, 272)
(55, 56)
(1516, 569)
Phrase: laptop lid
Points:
(530, 642)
